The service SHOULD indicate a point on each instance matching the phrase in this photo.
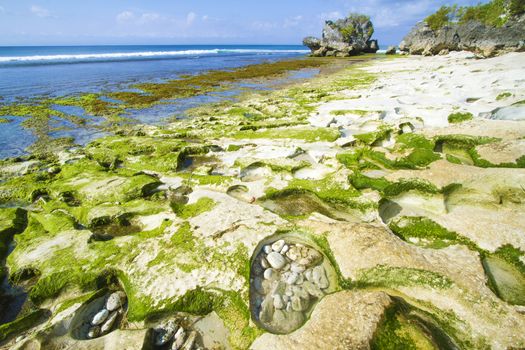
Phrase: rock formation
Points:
(453, 32)
(344, 37)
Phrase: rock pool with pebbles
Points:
(172, 335)
(99, 317)
(288, 277)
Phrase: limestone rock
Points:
(344, 320)
(391, 50)
(344, 37)
(471, 36)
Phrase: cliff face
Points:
(472, 35)
(344, 37)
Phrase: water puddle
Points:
(288, 276)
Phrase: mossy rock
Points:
(23, 324)
(12, 221)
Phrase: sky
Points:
(90, 22)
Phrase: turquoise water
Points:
(39, 72)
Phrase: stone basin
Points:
(289, 275)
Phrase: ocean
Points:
(36, 72)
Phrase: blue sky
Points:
(72, 22)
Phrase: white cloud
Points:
(125, 16)
(149, 17)
(264, 25)
(205, 18)
(2, 10)
(40, 11)
(292, 22)
(190, 18)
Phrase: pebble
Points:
(270, 274)
(292, 278)
(267, 249)
(286, 267)
(115, 301)
(267, 310)
(276, 260)
(188, 345)
(319, 277)
(285, 249)
(299, 304)
(165, 333)
(298, 268)
(289, 306)
(278, 302)
(264, 263)
(293, 253)
(180, 336)
(313, 289)
(300, 292)
(100, 317)
(278, 245)
(308, 275)
(106, 327)
(94, 332)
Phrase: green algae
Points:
(359, 112)
(427, 233)
(393, 189)
(186, 211)
(503, 96)
(306, 134)
(368, 158)
(507, 282)
(459, 117)
(392, 277)
(397, 332)
(12, 221)
(22, 324)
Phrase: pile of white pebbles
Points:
(180, 338)
(104, 320)
(287, 279)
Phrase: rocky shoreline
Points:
(380, 203)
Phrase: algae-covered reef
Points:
(338, 212)
(107, 111)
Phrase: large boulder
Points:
(344, 37)
(472, 35)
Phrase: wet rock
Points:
(267, 310)
(276, 260)
(299, 304)
(313, 289)
(190, 342)
(278, 245)
(270, 274)
(110, 322)
(93, 332)
(297, 268)
(281, 297)
(278, 302)
(165, 333)
(179, 337)
(100, 317)
(115, 301)
(264, 263)
(319, 277)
